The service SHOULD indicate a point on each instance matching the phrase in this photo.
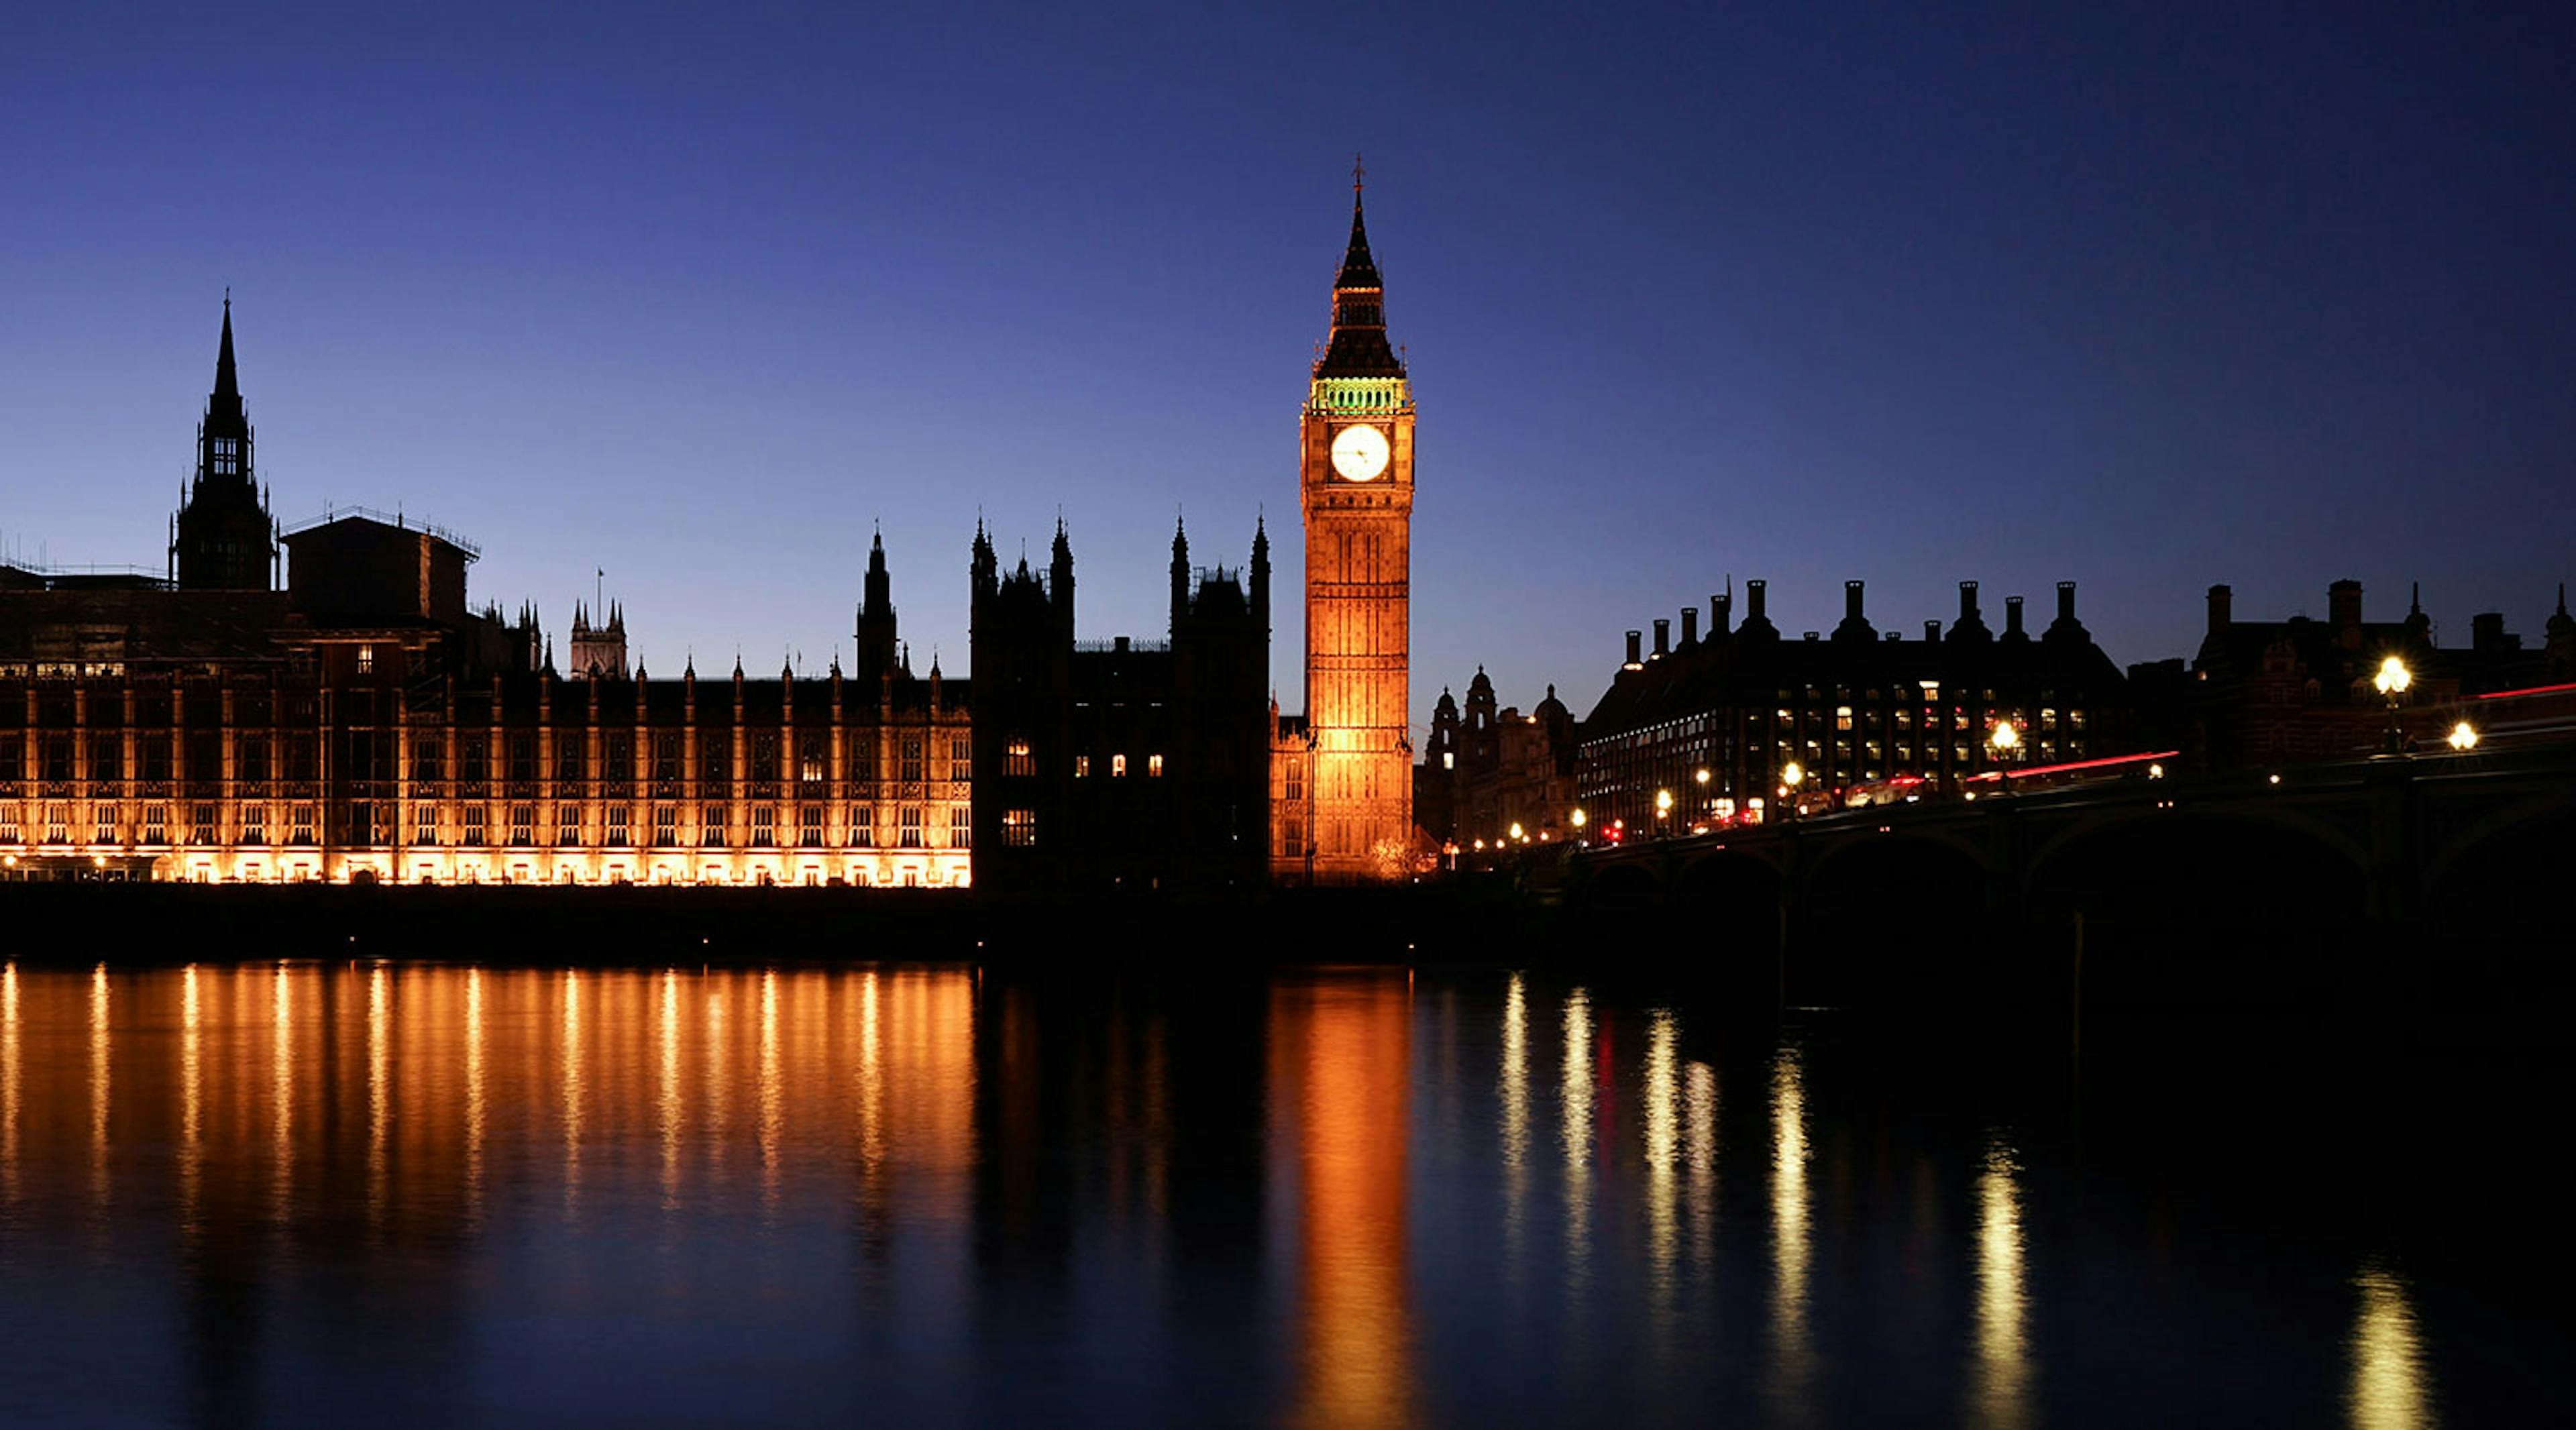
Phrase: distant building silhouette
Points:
(2274, 693)
(1486, 771)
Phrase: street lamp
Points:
(2464, 737)
(1577, 817)
(2003, 739)
(1791, 776)
(1663, 809)
(2392, 680)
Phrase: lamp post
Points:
(2392, 680)
(2464, 737)
(2002, 740)
(1791, 776)
(1663, 812)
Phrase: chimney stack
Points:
(1663, 638)
(1718, 608)
(1967, 600)
(2343, 612)
(1690, 626)
(2012, 616)
(1635, 658)
(1753, 601)
(1932, 631)
(2221, 604)
(2066, 600)
(1851, 600)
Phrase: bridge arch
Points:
(2247, 860)
(2506, 868)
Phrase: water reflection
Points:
(2390, 1387)
(9, 1078)
(1663, 1142)
(1343, 1049)
(1513, 1095)
(913, 1195)
(1574, 1121)
(1699, 1100)
(2000, 1389)
(1792, 1357)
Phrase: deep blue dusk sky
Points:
(2135, 295)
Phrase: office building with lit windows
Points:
(1835, 711)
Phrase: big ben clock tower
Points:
(1355, 483)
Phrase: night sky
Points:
(2133, 295)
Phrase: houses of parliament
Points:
(322, 702)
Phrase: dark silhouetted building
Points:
(1120, 763)
(1856, 707)
(2265, 694)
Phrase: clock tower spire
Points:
(1355, 483)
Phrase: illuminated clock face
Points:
(1359, 453)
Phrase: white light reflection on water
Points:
(99, 1075)
(1515, 1123)
(2000, 1386)
(1663, 1142)
(1699, 1111)
(670, 1090)
(772, 1095)
(281, 1093)
(10, 1072)
(379, 1066)
(192, 1096)
(2391, 1389)
(572, 1093)
(1574, 1114)
(475, 1105)
(1792, 1369)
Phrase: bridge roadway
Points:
(2484, 837)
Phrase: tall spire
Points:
(227, 383)
(1359, 347)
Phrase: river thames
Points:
(346, 1193)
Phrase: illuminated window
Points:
(1019, 827)
(618, 824)
(908, 833)
(366, 659)
(1153, 767)
(764, 826)
(475, 828)
(912, 759)
(201, 824)
(156, 824)
(666, 825)
(961, 828)
(1018, 762)
(567, 824)
(961, 759)
(863, 828)
(1293, 782)
(1117, 766)
(254, 824)
(523, 824)
(424, 824)
(809, 827)
(1842, 717)
(1081, 767)
(1448, 761)
(711, 826)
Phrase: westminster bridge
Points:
(2361, 863)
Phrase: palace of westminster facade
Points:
(350, 719)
